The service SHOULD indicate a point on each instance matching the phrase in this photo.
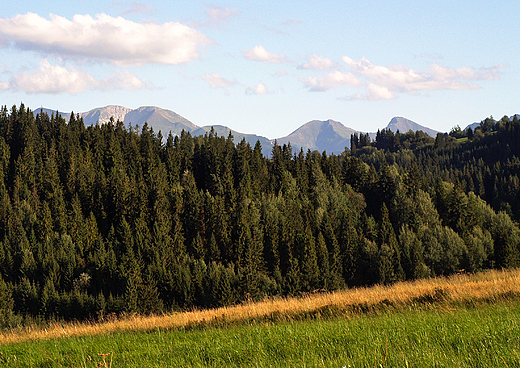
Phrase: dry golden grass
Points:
(489, 287)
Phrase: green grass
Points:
(485, 336)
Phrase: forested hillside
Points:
(109, 218)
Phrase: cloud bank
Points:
(55, 79)
(386, 82)
(104, 38)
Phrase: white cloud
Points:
(52, 79)
(215, 80)
(384, 82)
(318, 62)
(374, 92)
(464, 74)
(261, 54)
(259, 89)
(123, 80)
(217, 14)
(104, 38)
(58, 79)
(331, 80)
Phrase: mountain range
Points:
(329, 135)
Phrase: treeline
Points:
(110, 219)
(484, 161)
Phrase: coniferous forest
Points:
(111, 218)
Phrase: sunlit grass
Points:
(485, 336)
(439, 293)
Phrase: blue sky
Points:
(267, 67)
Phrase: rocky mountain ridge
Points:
(329, 135)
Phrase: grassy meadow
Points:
(462, 321)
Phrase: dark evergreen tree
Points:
(103, 219)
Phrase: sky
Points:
(267, 67)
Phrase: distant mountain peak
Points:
(404, 125)
(396, 120)
(322, 135)
(102, 115)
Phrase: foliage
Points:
(109, 219)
